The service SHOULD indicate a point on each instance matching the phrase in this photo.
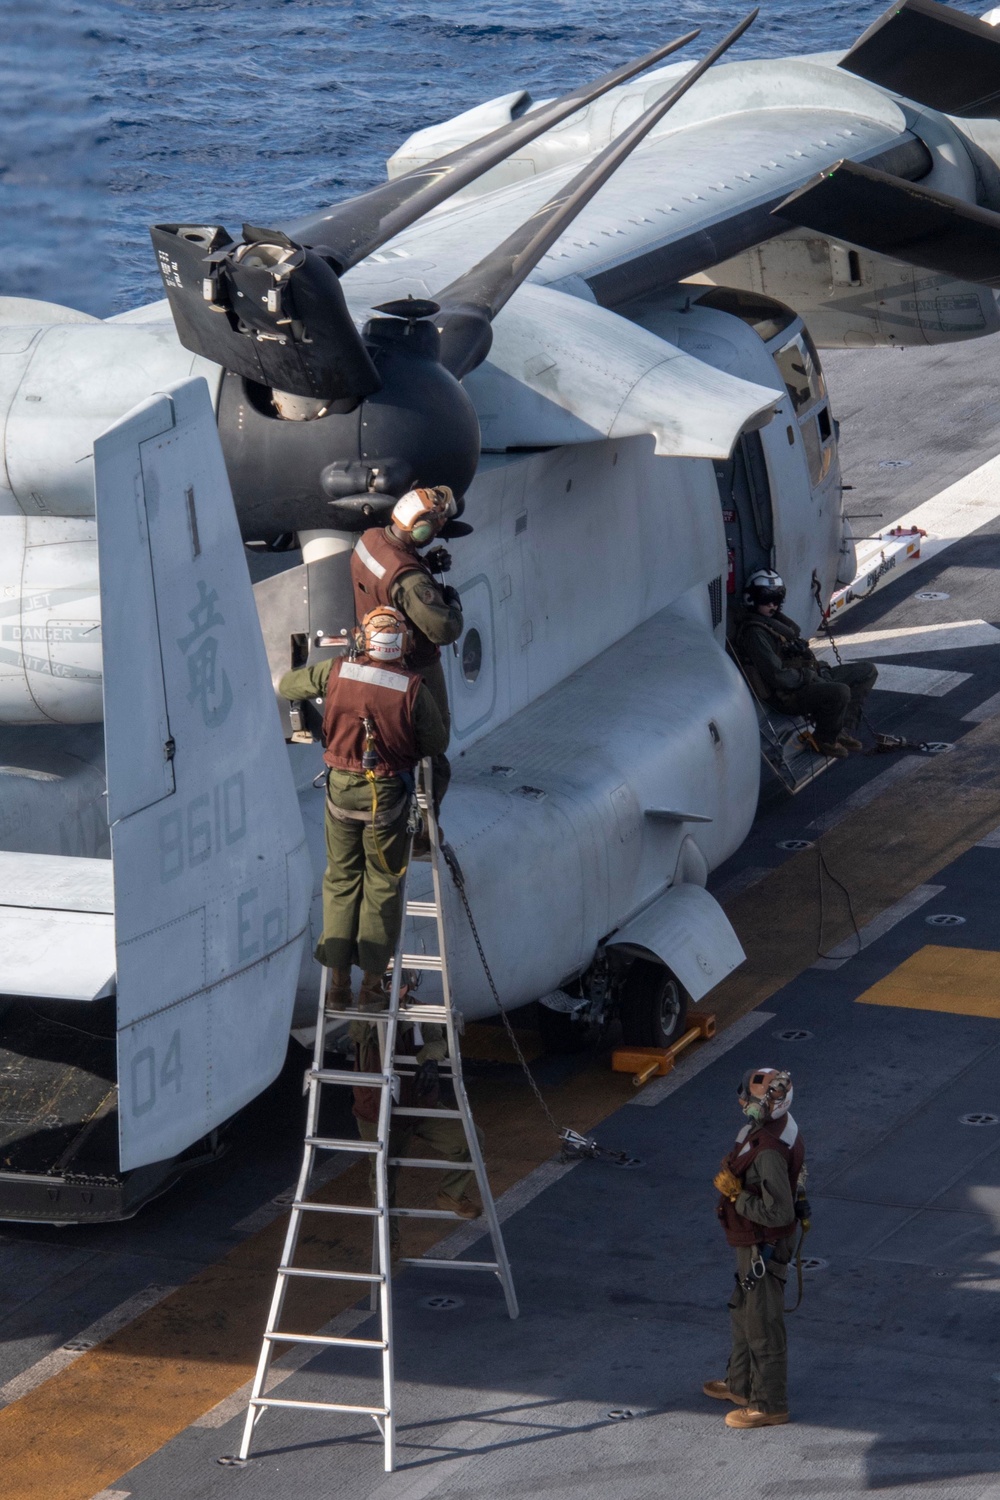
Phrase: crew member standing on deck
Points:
(782, 670)
(759, 1189)
(379, 719)
(387, 569)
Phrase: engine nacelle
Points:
(50, 621)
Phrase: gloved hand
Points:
(452, 597)
(427, 1079)
(728, 1184)
(438, 559)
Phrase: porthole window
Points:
(472, 655)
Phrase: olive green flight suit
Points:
(758, 1363)
(422, 601)
(796, 682)
(362, 901)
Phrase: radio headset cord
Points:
(574, 1145)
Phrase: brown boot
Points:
(823, 747)
(848, 741)
(373, 994)
(752, 1416)
(464, 1206)
(338, 990)
(719, 1391)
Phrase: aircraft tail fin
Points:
(934, 55)
(212, 879)
(900, 219)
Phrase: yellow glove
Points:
(728, 1184)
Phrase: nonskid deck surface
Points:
(622, 1274)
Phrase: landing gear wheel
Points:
(654, 1006)
(561, 1033)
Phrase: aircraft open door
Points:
(212, 878)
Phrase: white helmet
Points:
(420, 514)
(765, 1093)
(764, 587)
(387, 635)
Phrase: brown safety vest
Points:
(378, 562)
(387, 695)
(738, 1229)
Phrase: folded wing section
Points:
(211, 874)
(933, 54)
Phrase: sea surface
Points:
(116, 114)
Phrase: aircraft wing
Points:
(212, 879)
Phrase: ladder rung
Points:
(333, 1208)
(325, 1339)
(366, 1276)
(326, 1143)
(362, 1411)
(431, 961)
(450, 1265)
(421, 909)
(418, 1113)
(421, 1161)
(349, 1078)
(427, 1213)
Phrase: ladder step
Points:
(421, 1161)
(361, 1411)
(366, 1276)
(325, 1339)
(326, 1143)
(450, 1265)
(427, 1213)
(429, 961)
(421, 909)
(349, 1078)
(417, 1113)
(305, 1207)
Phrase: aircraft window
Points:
(472, 655)
(825, 426)
(819, 454)
(799, 367)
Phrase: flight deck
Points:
(867, 908)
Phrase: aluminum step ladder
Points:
(395, 1067)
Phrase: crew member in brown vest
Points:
(386, 568)
(782, 670)
(379, 719)
(759, 1183)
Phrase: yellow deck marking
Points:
(122, 1401)
(962, 981)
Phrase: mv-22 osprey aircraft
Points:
(596, 319)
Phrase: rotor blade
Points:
(349, 231)
(933, 54)
(900, 219)
(473, 300)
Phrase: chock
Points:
(645, 1063)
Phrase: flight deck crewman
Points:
(379, 719)
(759, 1205)
(782, 670)
(386, 569)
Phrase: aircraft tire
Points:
(654, 1006)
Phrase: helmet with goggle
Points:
(386, 634)
(421, 514)
(764, 587)
(765, 1093)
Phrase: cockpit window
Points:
(799, 367)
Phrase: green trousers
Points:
(362, 903)
(835, 702)
(758, 1363)
(433, 676)
(445, 1137)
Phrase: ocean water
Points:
(115, 114)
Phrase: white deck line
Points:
(907, 640)
(986, 710)
(52, 1364)
(878, 927)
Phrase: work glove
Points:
(438, 559)
(427, 1079)
(452, 597)
(728, 1184)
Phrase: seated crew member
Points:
(760, 1206)
(379, 719)
(782, 670)
(386, 568)
(422, 1090)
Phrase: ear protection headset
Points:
(422, 513)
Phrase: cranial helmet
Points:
(420, 514)
(387, 635)
(765, 1094)
(764, 587)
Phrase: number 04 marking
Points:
(146, 1078)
